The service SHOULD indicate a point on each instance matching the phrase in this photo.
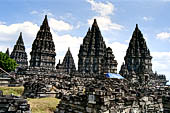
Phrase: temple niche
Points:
(18, 53)
(93, 53)
(68, 65)
(43, 48)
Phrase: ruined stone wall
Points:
(13, 104)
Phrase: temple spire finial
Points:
(137, 28)
(136, 25)
(20, 40)
(89, 29)
(59, 61)
(7, 51)
(95, 23)
(20, 33)
(45, 20)
(45, 25)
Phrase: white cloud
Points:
(147, 18)
(119, 50)
(56, 25)
(42, 13)
(46, 12)
(59, 25)
(62, 42)
(163, 35)
(9, 35)
(161, 63)
(34, 12)
(66, 16)
(3, 48)
(1, 22)
(11, 32)
(104, 11)
(105, 23)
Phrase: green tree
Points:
(7, 63)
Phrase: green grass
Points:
(43, 105)
(38, 105)
(12, 90)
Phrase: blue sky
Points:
(70, 19)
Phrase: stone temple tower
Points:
(92, 51)
(137, 66)
(19, 54)
(68, 65)
(43, 48)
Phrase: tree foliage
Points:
(7, 63)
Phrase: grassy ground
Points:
(12, 90)
(43, 105)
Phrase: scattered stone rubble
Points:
(142, 91)
(110, 95)
(13, 104)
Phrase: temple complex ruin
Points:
(95, 87)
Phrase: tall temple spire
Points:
(92, 51)
(45, 25)
(20, 40)
(43, 48)
(95, 27)
(136, 26)
(95, 23)
(137, 45)
(19, 54)
(137, 57)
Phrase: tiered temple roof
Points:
(18, 53)
(138, 58)
(109, 64)
(43, 48)
(68, 64)
(92, 51)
